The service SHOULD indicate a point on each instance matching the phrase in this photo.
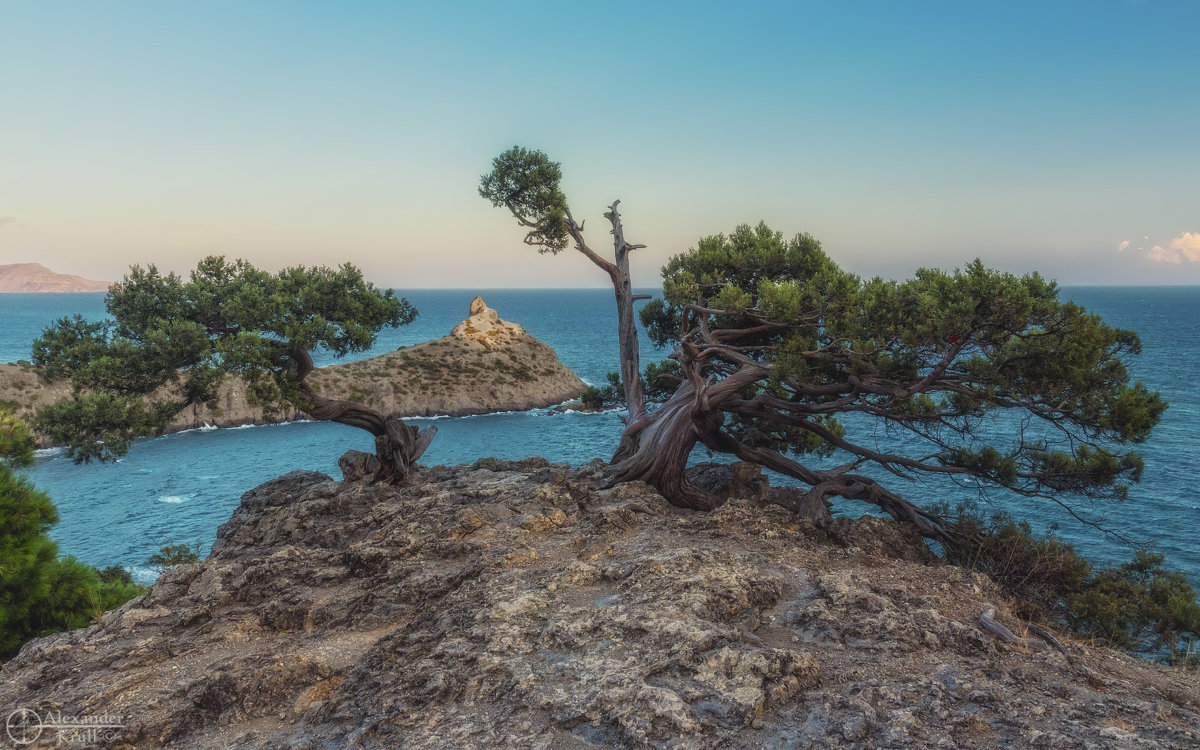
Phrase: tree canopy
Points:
(170, 343)
(782, 358)
(982, 376)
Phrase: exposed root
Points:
(988, 620)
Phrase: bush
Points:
(115, 574)
(40, 593)
(1138, 606)
(609, 396)
(171, 555)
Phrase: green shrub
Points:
(115, 574)
(170, 555)
(610, 395)
(1138, 606)
(40, 593)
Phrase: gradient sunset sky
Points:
(1061, 137)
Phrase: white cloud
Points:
(7, 220)
(1185, 247)
(1188, 245)
(1123, 245)
(1160, 254)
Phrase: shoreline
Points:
(485, 366)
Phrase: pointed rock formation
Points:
(484, 326)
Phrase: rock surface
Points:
(485, 365)
(521, 605)
(34, 277)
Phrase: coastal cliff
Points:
(524, 605)
(485, 365)
(34, 277)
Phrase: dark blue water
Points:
(179, 488)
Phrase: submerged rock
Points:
(521, 605)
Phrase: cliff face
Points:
(485, 365)
(34, 277)
(522, 605)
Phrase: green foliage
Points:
(607, 397)
(40, 593)
(593, 398)
(16, 443)
(527, 184)
(115, 574)
(659, 380)
(170, 555)
(1138, 606)
(28, 558)
(989, 376)
(170, 343)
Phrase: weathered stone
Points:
(357, 466)
(519, 604)
(741, 479)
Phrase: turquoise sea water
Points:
(179, 488)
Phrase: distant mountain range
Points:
(34, 277)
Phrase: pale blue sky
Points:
(1036, 135)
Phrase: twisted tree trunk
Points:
(662, 441)
(658, 451)
(397, 445)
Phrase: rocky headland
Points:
(484, 365)
(523, 605)
(34, 277)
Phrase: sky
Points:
(1058, 137)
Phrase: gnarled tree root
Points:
(988, 620)
(397, 445)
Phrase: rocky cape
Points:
(523, 605)
(34, 277)
(485, 365)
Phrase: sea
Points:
(177, 489)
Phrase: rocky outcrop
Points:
(34, 277)
(522, 605)
(485, 365)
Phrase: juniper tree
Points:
(527, 184)
(780, 357)
(985, 377)
(169, 344)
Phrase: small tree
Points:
(27, 554)
(527, 184)
(171, 342)
(170, 555)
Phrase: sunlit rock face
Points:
(524, 605)
(484, 326)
